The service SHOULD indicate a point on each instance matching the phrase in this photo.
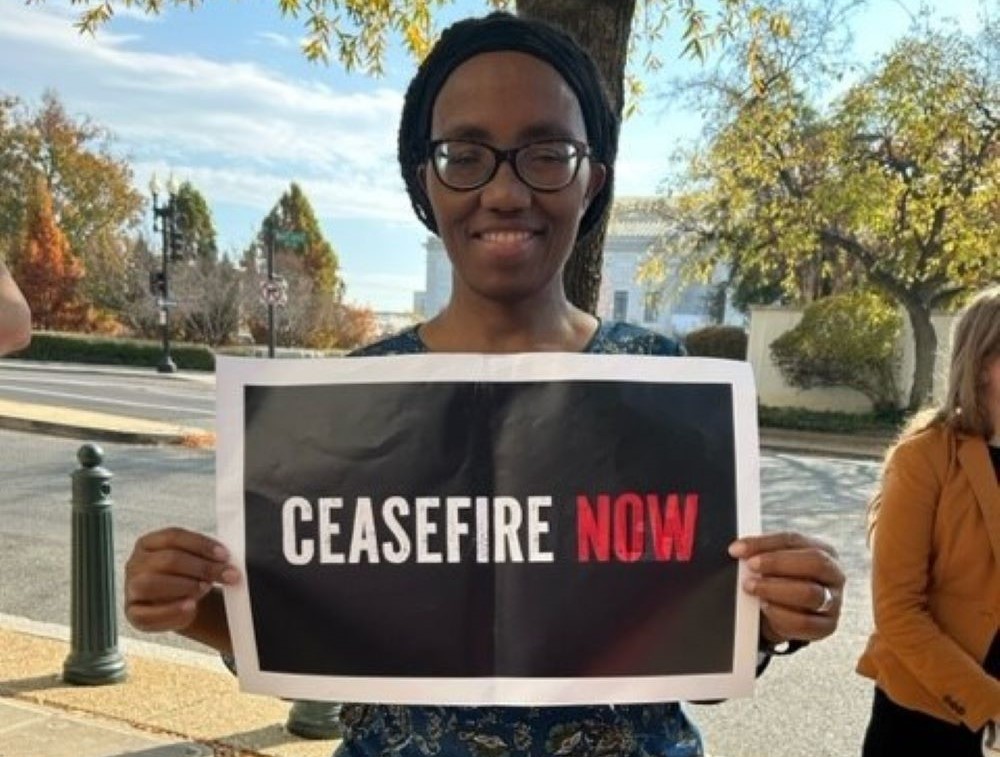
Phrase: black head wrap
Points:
(500, 32)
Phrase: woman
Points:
(505, 146)
(935, 652)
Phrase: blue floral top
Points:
(649, 730)
(611, 337)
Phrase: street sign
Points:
(274, 291)
(290, 238)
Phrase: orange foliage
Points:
(355, 326)
(47, 271)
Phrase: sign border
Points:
(233, 374)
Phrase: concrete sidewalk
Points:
(173, 704)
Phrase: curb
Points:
(861, 446)
(23, 364)
(85, 424)
(202, 440)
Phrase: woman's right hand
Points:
(168, 573)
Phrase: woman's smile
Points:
(512, 245)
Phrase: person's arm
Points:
(15, 316)
(902, 550)
(171, 583)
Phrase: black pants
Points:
(895, 731)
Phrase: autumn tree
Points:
(207, 289)
(209, 307)
(92, 197)
(307, 262)
(15, 167)
(309, 318)
(46, 269)
(353, 326)
(139, 313)
(294, 214)
(895, 180)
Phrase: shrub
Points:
(717, 341)
(846, 340)
(83, 348)
(887, 424)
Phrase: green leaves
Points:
(894, 185)
(815, 352)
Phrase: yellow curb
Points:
(73, 422)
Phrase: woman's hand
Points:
(798, 581)
(168, 574)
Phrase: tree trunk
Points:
(602, 27)
(925, 348)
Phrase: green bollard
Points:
(314, 720)
(94, 657)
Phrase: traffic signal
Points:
(157, 284)
(175, 242)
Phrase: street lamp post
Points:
(164, 221)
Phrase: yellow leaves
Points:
(92, 18)
(780, 26)
(634, 89)
(697, 40)
(417, 40)
(652, 270)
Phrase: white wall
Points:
(437, 279)
(768, 323)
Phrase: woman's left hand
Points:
(798, 581)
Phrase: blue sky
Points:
(223, 97)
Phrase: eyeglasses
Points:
(545, 166)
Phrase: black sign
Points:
(513, 530)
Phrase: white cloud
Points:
(275, 40)
(331, 199)
(237, 129)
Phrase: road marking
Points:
(139, 386)
(107, 401)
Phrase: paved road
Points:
(152, 486)
(140, 395)
(810, 705)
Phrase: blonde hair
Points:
(975, 340)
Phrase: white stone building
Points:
(671, 307)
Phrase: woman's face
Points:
(506, 241)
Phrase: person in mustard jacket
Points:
(935, 651)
